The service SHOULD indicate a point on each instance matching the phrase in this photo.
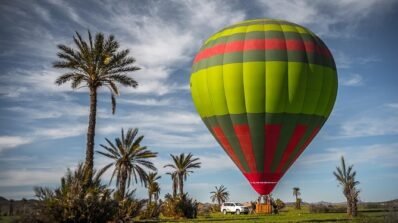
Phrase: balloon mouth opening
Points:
(263, 183)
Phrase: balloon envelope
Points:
(264, 88)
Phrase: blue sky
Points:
(43, 126)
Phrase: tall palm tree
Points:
(220, 195)
(174, 179)
(296, 193)
(129, 158)
(153, 186)
(346, 178)
(98, 63)
(183, 165)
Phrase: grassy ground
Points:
(287, 215)
(292, 215)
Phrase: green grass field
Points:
(287, 215)
(292, 215)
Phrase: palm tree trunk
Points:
(149, 196)
(349, 209)
(181, 181)
(175, 185)
(122, 184)
(89, 164)
(354, 208)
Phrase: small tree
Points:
(220, 195)
(346, 178)
(182, 166)
(296, 193)
(129, 158)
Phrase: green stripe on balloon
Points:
(263, 56)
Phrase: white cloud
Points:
(9, 142)
(370, 126)
(26, 177)
(373, 121)
(392, 105)
(146, 102)
(326, 18)
(351, 80)
(378, 154)
(62, 131)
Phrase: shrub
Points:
(129, 207)
(76, 200)
(152, 211)
(279, 204)
(179, 207)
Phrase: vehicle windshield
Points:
(238, 204)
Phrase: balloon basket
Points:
(263, 208)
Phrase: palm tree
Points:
(220, 195)
(95, 64)
(183, 165)
(129, 158)
(153, 186)
(174, 178)
(296, 193)
(346, 178)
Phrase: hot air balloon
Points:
(264, 88)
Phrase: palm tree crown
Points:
(94, 64)
(183, 165)
(129, 158)
(220, 194)
(296, 192)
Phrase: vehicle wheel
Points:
(224, 211)
(237, 212)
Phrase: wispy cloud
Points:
(378, 154)
(327, 18)
(352, 80)
(378, 120)
(9, 142)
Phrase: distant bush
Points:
(326, 208)
(372, 206)
(152, 211)
(279, 204)
(179, 207)
(129, 207)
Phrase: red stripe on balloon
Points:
(298, 133)
(263, 183)
(262, 44)
(272, 133)
(227, 146)
(302, 148)
(243, 134)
